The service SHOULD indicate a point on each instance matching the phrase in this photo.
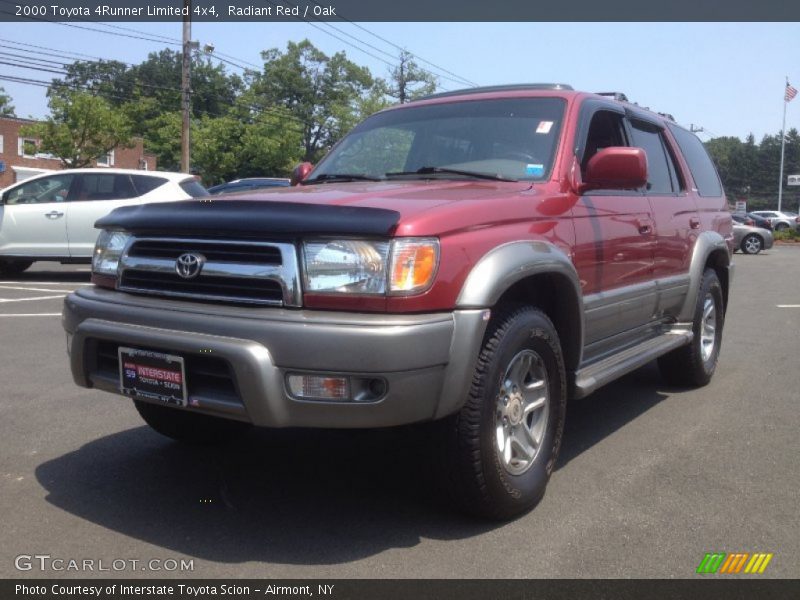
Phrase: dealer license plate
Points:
(152, 375)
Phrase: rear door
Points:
(94, 196)
(675, 217)
(33, 218)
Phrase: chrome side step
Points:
(596, 375)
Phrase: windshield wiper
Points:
(329, 177)
(446, 171)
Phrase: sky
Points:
(727, 78)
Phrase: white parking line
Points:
(26, 299)
(27, 289)
(33, 315)
(788, 305)
(3, 282)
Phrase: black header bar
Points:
(75, 11)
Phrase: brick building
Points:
(19, 158)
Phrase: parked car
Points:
(249, 183)
(752, 220)
(779, 220)
(751, 240)
(52, 216)
(474, 258)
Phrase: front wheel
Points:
(694, 365)
(500, 449)
(188, 427)
(752, 244)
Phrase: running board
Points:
(590, 378)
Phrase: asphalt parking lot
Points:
(650, 478)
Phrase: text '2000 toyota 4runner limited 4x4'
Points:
(475, 258)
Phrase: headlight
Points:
(107, 252)
(346, 266)
(403, 266)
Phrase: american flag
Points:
(790, 93)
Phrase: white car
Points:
(52, 216)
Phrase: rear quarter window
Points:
(147, 183)
(702, 168)
(193, 188)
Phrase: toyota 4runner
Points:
(476, 258)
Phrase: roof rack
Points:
(501, 88)
(615, 95)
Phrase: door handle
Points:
(694, 223)
(54, 214)
(645, 227)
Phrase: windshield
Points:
(506, 139)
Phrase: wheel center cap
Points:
(514, 411)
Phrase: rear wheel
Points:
(694, 365)
(13, 267)
(781, 226)
(500, 449)
(752, 244)
(191, 428)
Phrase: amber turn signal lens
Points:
(414, 263)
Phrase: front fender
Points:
(503, 267)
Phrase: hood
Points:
(365, 208)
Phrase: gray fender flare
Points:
(502, 267)
(707, 243)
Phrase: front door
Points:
(33, 218)
(615, 245)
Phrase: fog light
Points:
(319, 387)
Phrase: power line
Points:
(46, 84)
(375, 35)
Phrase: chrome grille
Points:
(262, 273)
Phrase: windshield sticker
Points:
(544, 127)
(534, 170)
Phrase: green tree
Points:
(81, 128)
(163, 138)
(6, 108)
(321, 93)
(408, 81)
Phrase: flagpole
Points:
(783, 144)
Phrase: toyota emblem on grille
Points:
(189, 265)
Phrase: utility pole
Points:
(783, 146)
(186, 102)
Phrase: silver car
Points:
(751, 240)
(780, 220)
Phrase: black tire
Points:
(688, 366)
(477, 476)
(752, 243)
(187, 427)
(13, 267)
(781, 226)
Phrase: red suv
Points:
(475, 258)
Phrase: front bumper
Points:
(426, 361)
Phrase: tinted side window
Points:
(605, 131)
(96, 187)
(146, 183)
(659, 173)
(194, 189)
(703, 171)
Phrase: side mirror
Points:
(616, 168)
(300, 173)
